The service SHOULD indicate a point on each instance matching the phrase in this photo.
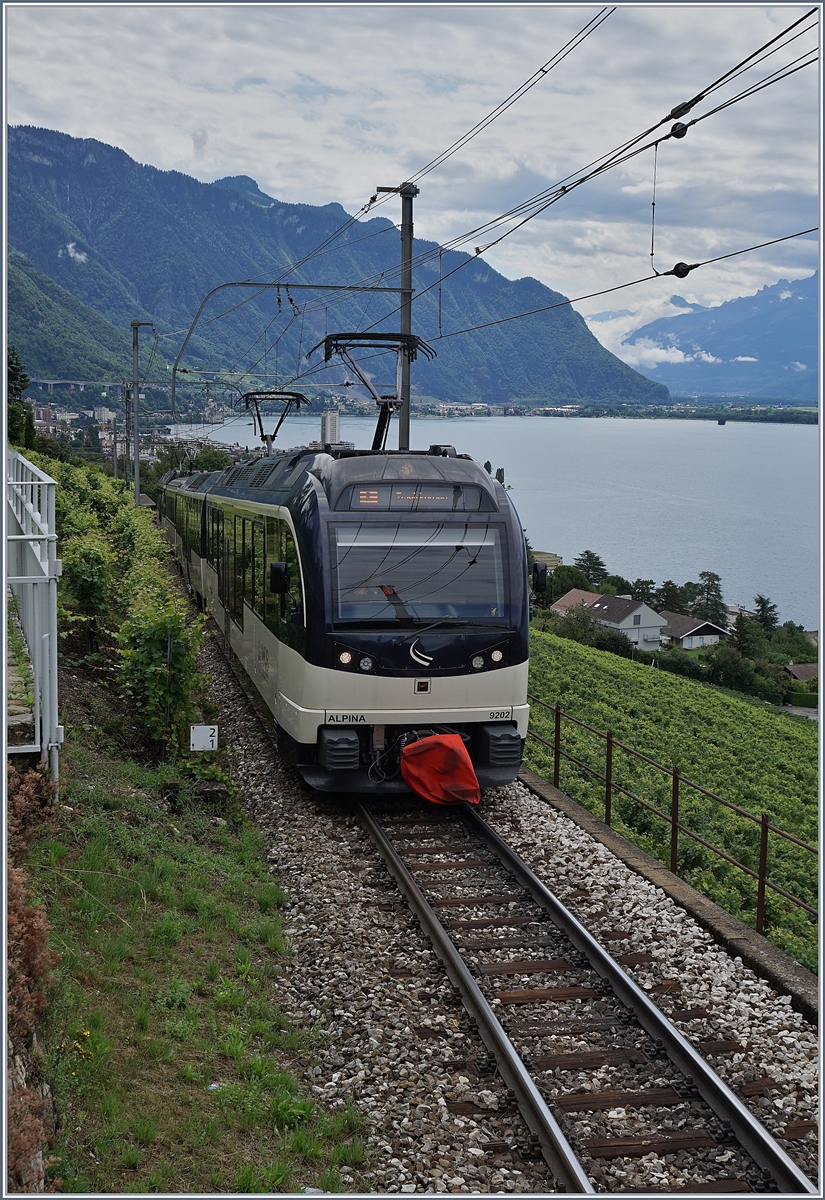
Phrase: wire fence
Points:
(670, 806)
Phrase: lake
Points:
(656, 499)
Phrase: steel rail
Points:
(555, 1148)
(752, 1136)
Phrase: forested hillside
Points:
(130, 241)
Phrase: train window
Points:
(236, 604)
(284, 615)
(258, 599)
(247, 562)
(427, 571)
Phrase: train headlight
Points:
(477, 663)
(345, 658)
(497, 656)
(366, 663)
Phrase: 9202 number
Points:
(500, 714)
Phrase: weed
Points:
(270, 897)
(175, 995)
(306, 1144)
(146, 1130)
(109, 1106)
(351, 1154)
(348, 1121)
(330, 1181)
(243, 964)
(167, 931)
(142, 1019)
(189, 1074)
(130, 1157)
(212, 971)
(229, 994)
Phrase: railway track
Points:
(577, 1042)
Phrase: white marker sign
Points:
(203, 737)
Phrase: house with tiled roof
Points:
(802, 671)
(689, 633)
(634, 618)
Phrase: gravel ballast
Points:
(393, 1037)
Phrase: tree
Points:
(767, 614)
(615, 585)
(209, 458)
(18, 380)
(488, 467)
(643, 590)
(500, 475)
(668, 598)
(591, 566)
(29, 435)
(563, 580)
(748, 637)
(690, 593)
(709, 605)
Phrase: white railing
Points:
(33, 570)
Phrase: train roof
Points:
(337, 470)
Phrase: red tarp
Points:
(440, 769)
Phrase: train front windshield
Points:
(408, 573)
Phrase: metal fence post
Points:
(557, 748)
(674, 822)
(763, 875)
(608, 779)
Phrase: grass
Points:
(170, 937)
(747, 752)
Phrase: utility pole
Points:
(407, 192)
(135, 388)
(127, 396)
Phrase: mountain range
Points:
(763, 345)
(97, 240)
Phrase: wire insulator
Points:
(679, 130)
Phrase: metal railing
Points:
(33, 570)
(677, 783)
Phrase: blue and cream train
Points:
(371, 597)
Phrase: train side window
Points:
(294, 603)
(237, 572)
(258, 558)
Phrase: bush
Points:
(29, 959)
(160, 660)
(30, 808)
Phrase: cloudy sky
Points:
(322, 102)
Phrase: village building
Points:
(635, 619)
(689, 633)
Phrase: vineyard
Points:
(747, 752)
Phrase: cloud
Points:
(320, 103)
(78, 256)
(798, 366)
(744, 358)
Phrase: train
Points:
(373, 598)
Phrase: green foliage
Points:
(581, 625)
(88, 575)
(160, 653)
(208, 458)
(16, 376)
(709, 604)
(668, 598)
(643, 590)
(767, 614)
(562, 580)
(116, 585)
(591, 566)
(752, 756)
(615, 585)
